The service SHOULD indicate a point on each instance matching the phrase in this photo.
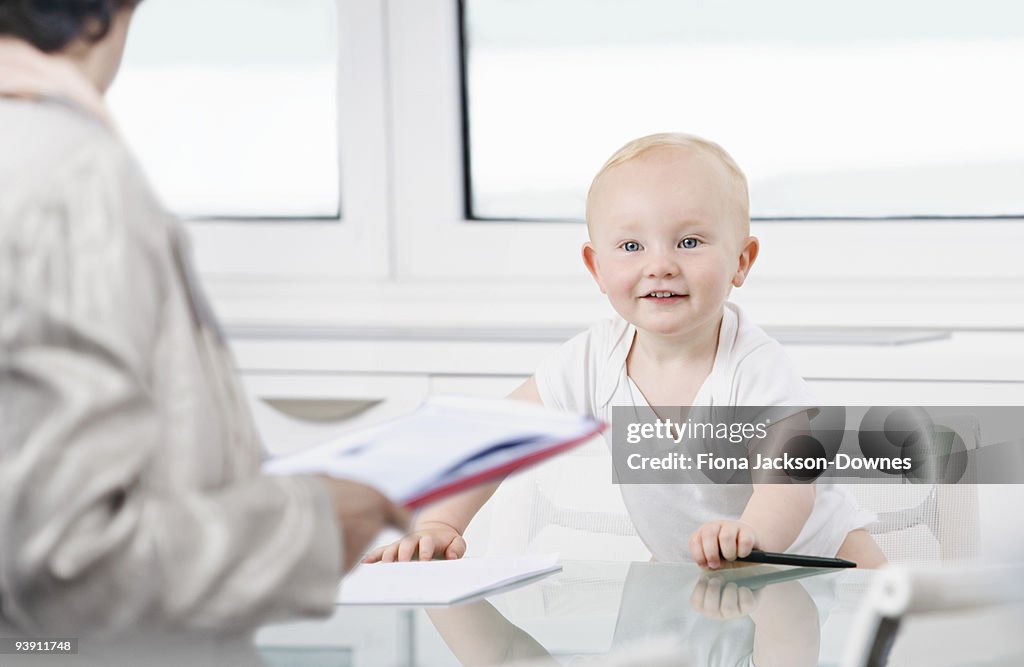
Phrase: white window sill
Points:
(905, 332)
(281, 306)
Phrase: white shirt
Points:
(588, 375)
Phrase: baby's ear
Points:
(748, 254)
(590, 261)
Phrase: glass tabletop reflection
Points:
(595, 613)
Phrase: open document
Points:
(446, 445)
(441, 582)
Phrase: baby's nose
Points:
(662, 266)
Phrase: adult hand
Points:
(432, 539)
(362, 512)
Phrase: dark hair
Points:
(50, 25)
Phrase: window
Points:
(231, 106)
(871, 109)
(264, 121)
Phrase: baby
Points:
(668, 220)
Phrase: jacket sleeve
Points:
(88, 543)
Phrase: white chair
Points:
(928, 522)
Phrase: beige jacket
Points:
(129, 484)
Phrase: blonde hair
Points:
(638, 147)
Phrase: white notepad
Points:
(441, 582)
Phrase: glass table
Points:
(600, 613)
(617, 614)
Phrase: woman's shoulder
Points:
(43, 135)
(61, 161)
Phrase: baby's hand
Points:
(722, 600)
(427, 541)
(724, 539)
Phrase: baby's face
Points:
(666, 240)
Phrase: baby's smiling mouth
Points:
(663, 295)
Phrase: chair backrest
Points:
(922, 523)
(927, 522)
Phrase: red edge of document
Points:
(511, 466)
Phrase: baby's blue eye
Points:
(630, 246)
(689, 243)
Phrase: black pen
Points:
(773, 558)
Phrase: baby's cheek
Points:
(715, 285)
(620, 291)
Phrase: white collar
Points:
(615, 373)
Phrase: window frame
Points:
(354, 245)
(431, 203)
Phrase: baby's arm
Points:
(777, 513)
(437, 531)
(774, 515)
